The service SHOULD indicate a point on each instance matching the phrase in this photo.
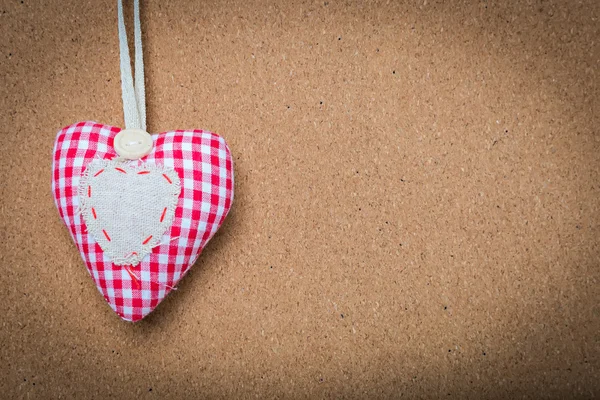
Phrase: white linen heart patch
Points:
(128, 209)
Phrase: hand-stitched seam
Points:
(91, 216)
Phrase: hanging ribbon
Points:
(134, 94)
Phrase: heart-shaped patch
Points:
(185, 183)
(127, 209)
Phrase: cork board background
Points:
(416, 213)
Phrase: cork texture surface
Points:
(416, 213)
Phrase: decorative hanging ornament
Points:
(139, 207)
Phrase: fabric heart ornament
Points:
(139, 207)
(140, 224)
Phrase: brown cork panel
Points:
(416, 211)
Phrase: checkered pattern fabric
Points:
(204, 165)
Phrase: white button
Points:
(133, 143)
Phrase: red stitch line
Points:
(133, 277)
(162, 217)
(131, 254)
(167, 178)
(106, 235)
(136, 280)
(89, 191)
(94, 213)
(147, 239)
(143, 172)
(99, 172)
(121, 170)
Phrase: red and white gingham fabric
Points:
(204, 165)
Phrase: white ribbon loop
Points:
(134, 96)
